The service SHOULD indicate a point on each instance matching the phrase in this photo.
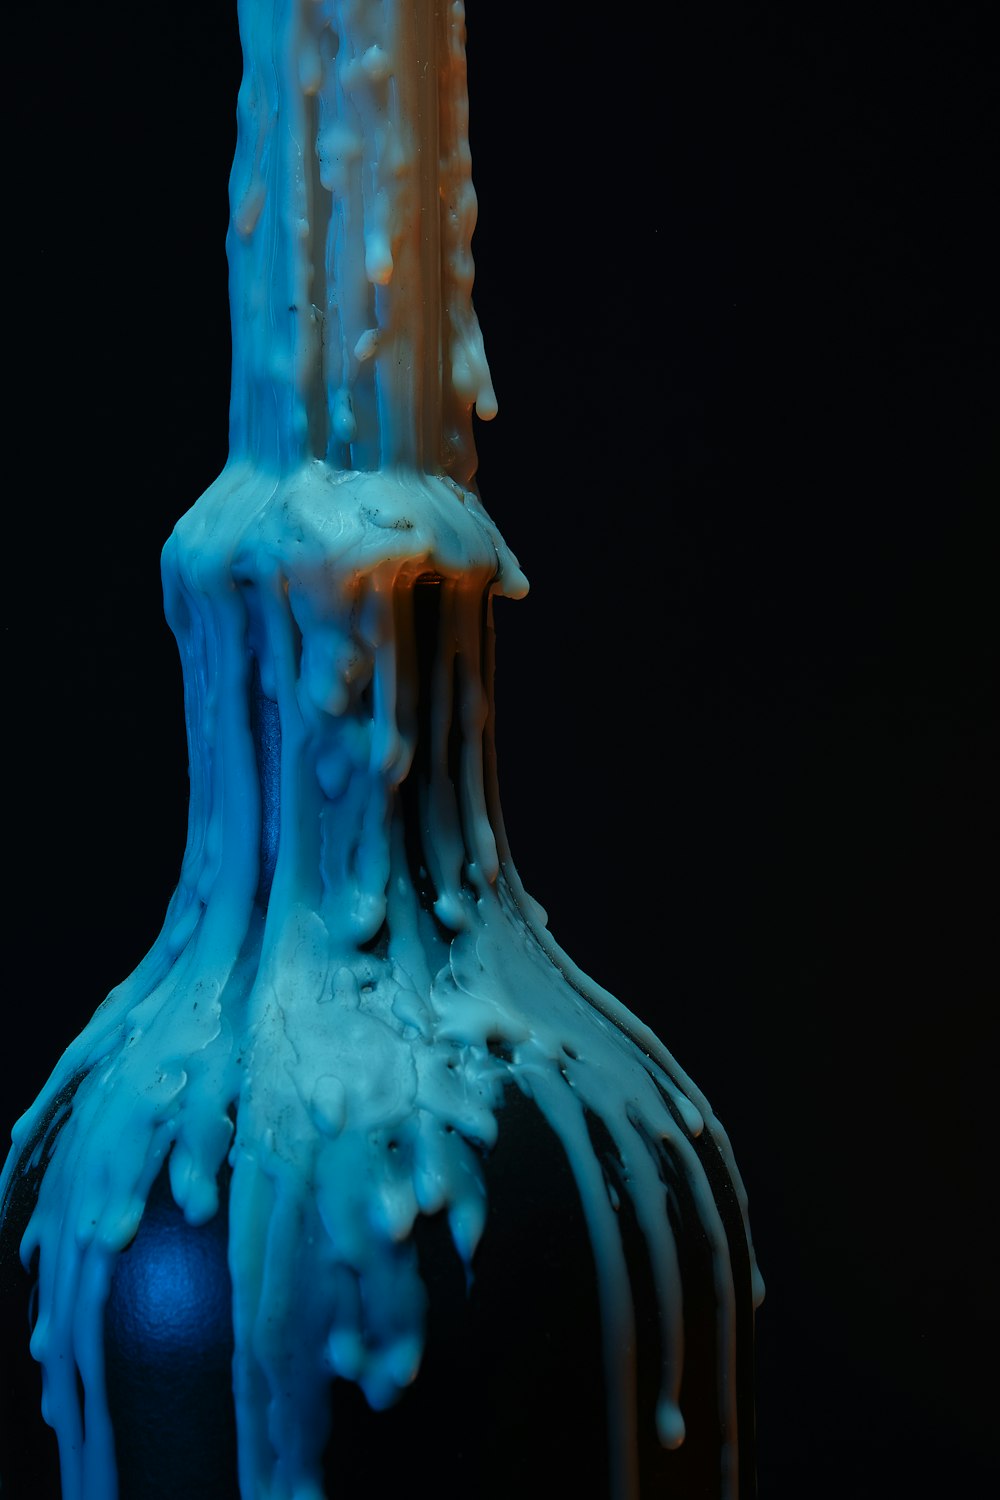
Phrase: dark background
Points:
(736, 285)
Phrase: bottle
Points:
(358, 1176)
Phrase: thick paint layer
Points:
(335, 1002)
(354, 336)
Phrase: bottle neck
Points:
(335, 635)
(352, 211)
(398, 788)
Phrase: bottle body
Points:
(511, 1391)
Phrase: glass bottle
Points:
(358, 1166)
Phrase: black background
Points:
(735, 280)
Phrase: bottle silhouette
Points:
(358, 1177)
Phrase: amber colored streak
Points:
(466, 374)
(429, 84)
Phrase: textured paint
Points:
(338, 1011)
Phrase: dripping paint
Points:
(334, 1014)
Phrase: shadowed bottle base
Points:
(510, 1397)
